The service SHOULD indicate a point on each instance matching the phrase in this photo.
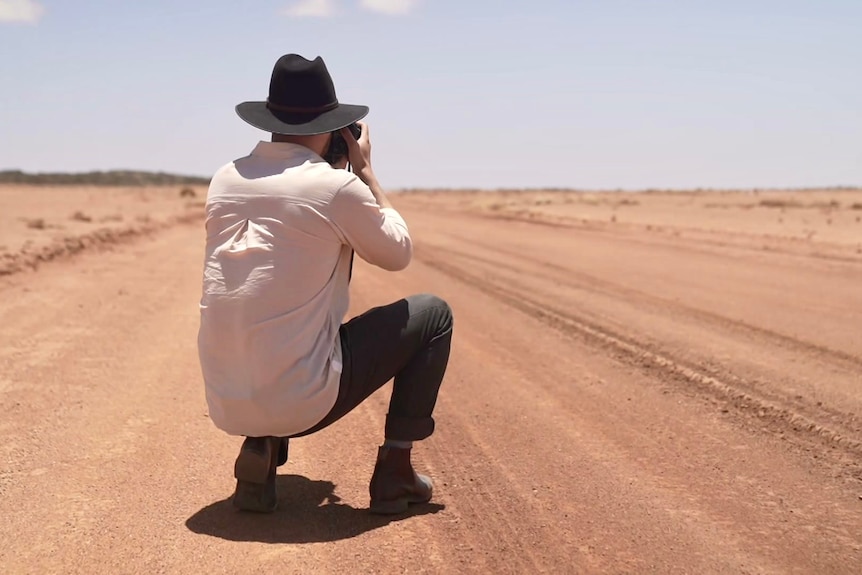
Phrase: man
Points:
(282, 228)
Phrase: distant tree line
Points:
(109, 178)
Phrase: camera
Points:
(338, 146)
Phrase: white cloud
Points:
(311, 8)
(27, 11)
(389, 6)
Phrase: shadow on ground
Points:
(308, 511)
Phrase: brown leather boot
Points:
(282, 452)
(254, 470)
(395, 485)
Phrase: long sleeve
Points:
(379, 235)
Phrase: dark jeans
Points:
(408, 340)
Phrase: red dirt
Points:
(659, 393)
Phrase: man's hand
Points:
(359, 151)
(359, 154)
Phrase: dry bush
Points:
(779, 203)
(856, 206)
(825, 205)
(80, 216)
(188, 193)
(36, 223)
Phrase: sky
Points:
(602, 94)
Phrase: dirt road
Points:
(620, 400)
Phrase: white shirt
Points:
(281, 224)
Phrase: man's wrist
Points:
(367, 175)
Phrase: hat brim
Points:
(292, 124)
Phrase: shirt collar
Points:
(284, 150)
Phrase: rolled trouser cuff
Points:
(408, 428)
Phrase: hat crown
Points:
(300, 83)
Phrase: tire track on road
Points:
(635, 353)
(697, 239)
(826, 415)
(575, 278)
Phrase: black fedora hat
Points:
(301, 101)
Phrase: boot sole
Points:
(395, 506)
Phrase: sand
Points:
(639, 383)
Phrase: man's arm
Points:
(359, 155)
(365, 216)
(379, 235)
